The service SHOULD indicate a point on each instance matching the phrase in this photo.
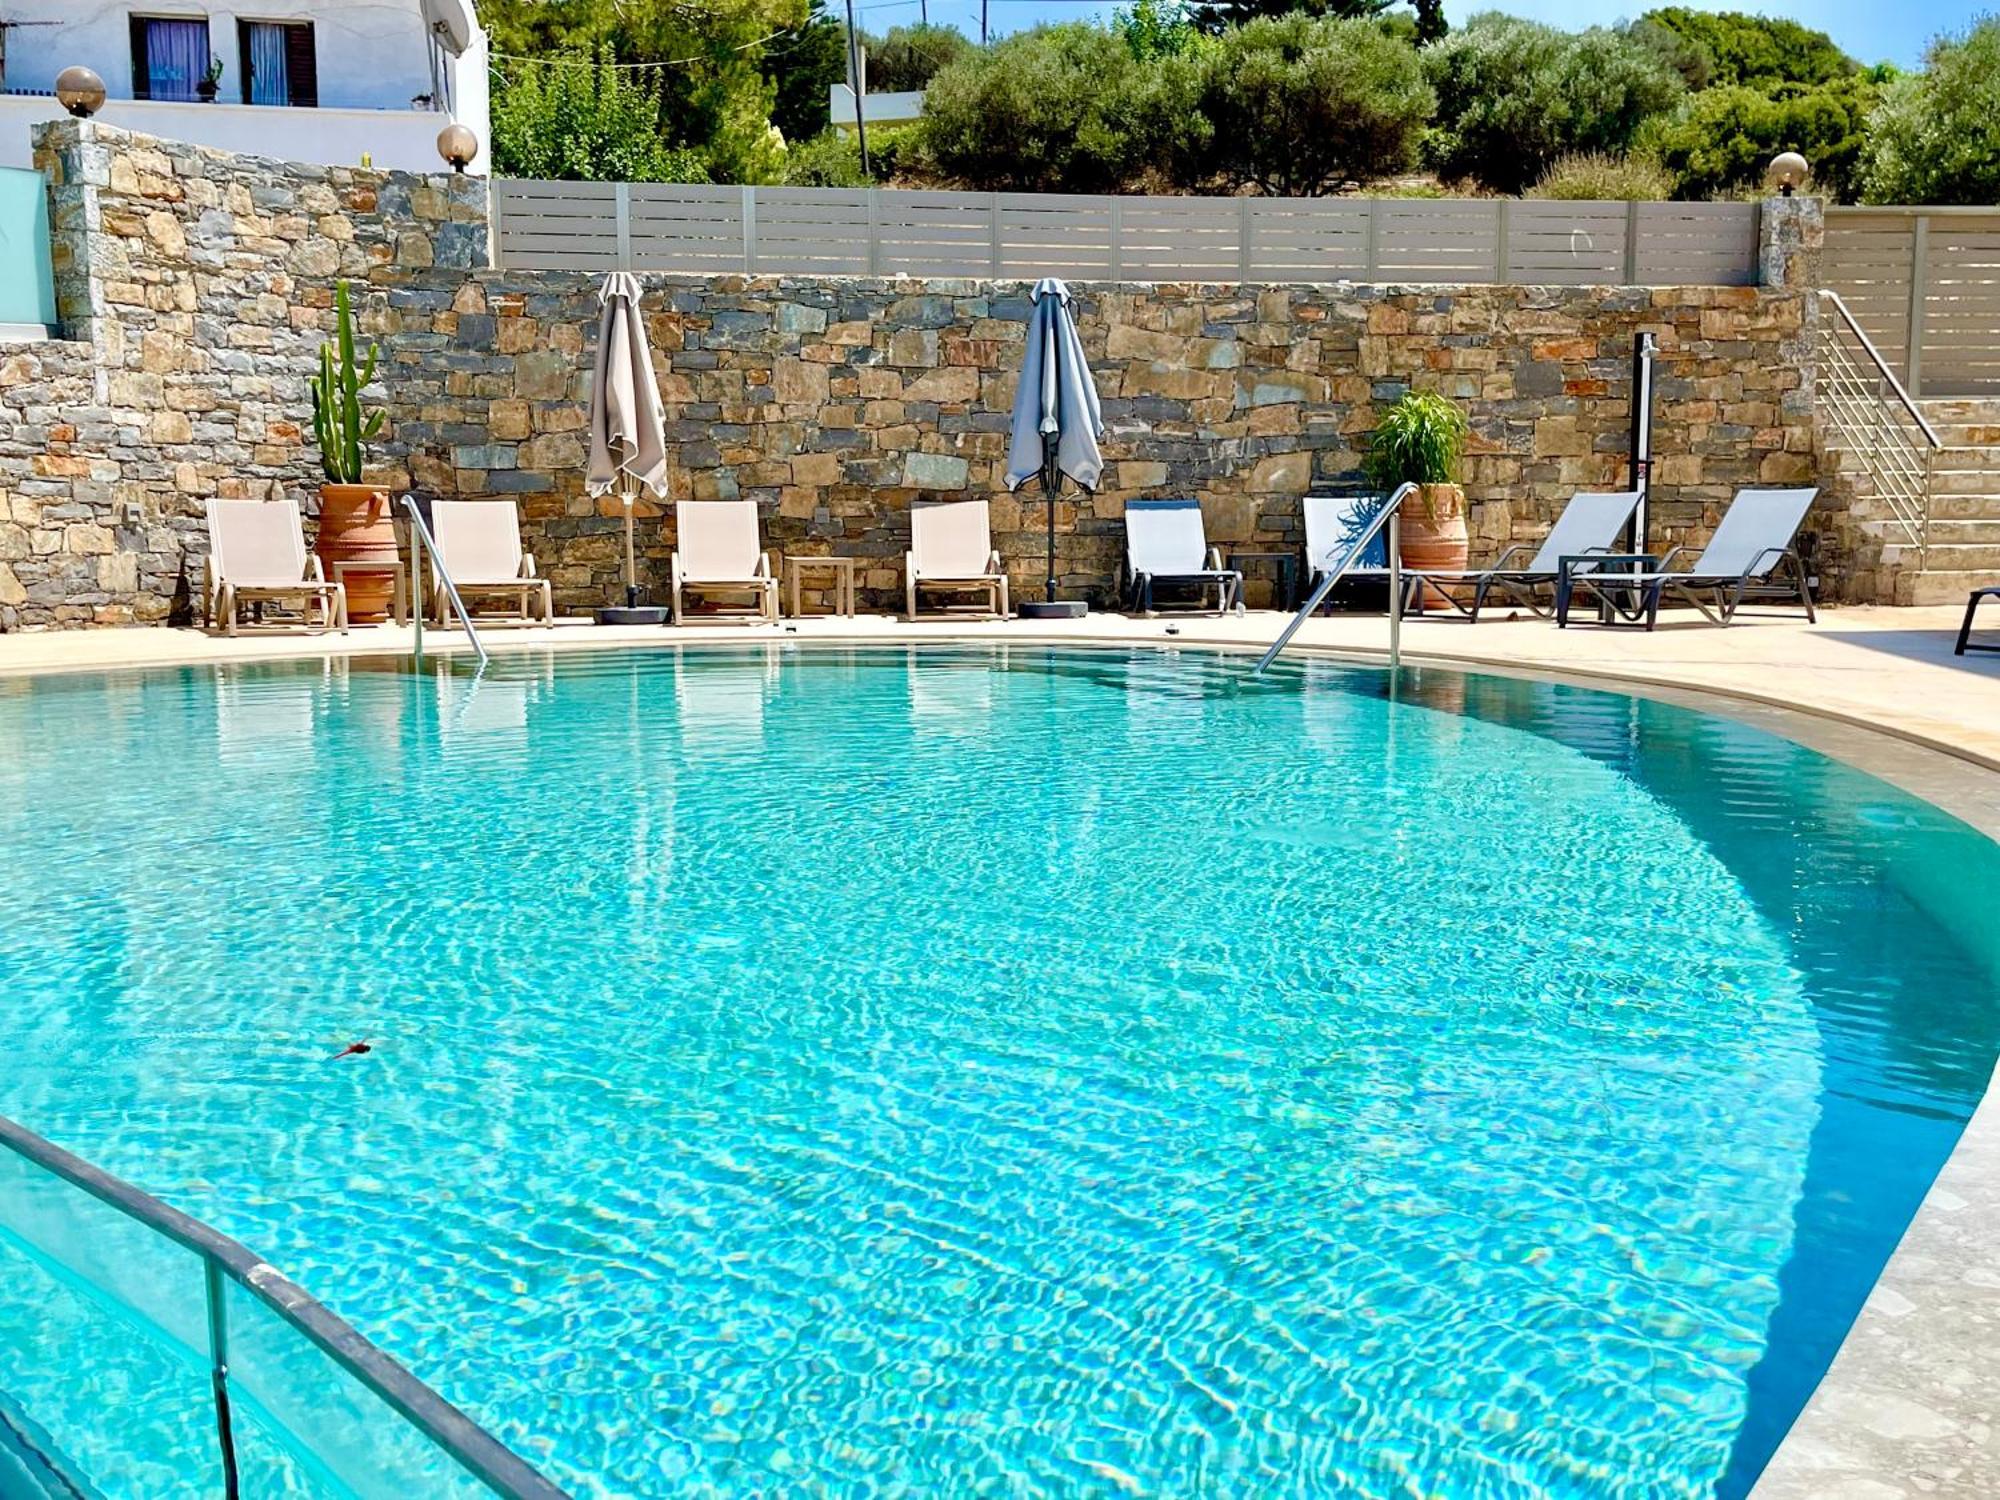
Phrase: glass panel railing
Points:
(157, 1356)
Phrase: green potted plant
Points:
(211, 81)
(356, 524)
(1421, 440)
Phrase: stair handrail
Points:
(1881, 364)
(426, 543)
(1385, 517)
(221, 1259)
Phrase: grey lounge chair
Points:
(1746, 559)
(1165, 543)
(1589, 523)
(1332, 524)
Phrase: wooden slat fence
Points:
(1934, 271)
(585, 226)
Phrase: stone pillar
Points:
(77, 164)
(1790, 241)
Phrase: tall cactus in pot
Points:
(356, 527)
(338, 420)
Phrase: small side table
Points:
(1603, 580)
(842, 569)
(399, 583)
(1288, 572)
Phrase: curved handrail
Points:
(1376, 522)
(425, 542)
(482, 1455)
(1881, 366)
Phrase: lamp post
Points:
(1787, 172)
(80, 91)
(458, 145)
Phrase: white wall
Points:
(372, 56)
(888, 109)
(404, 139)
(371, 53)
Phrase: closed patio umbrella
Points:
(1057, 420)
(627, 425)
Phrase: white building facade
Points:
(330, 81)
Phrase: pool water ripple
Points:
(876, 1073)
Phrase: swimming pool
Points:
(888, 1071)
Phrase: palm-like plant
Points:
(339, 423)
(1420, 440)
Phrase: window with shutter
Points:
(277, 62)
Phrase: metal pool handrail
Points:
(424, 542)
(480, 1453)
(1386, 516)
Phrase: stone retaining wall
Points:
(200, 285)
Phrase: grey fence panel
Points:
(1924, 283)
(1696, 244)
(854, 232)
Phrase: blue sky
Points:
(1872, 30)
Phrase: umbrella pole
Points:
(631, 558)
(1052, 548)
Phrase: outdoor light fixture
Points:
(1787, 171)
(457, 145)
(80, 91)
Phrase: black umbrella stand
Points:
(1050, 607)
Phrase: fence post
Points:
(1244, 229)
(1373, 237)
(993, 222)
(621, 209)
(1632, 242)
(1503, 227)
(1913, 361)
(749, 228)
(1117, 239)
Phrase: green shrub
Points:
(1154, 29)
(1760, 50)
(1420, 440)
(801, 72)
(1061, 109)
(1598, 175)
(1720, 141)
(830, 159)
(593, 124)
(1514, 95)
(909, 57)
(1304, 106)
(1935, 136)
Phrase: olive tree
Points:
(1935, 137)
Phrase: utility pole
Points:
(982, 22)
(857, 83)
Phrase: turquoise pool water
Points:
(877, 1073)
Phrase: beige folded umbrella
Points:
(627, 425)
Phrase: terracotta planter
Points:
(1434, 538)
(357, 525)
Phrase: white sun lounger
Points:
(1746, 559)
(720, 552)
(257, 553)
(952, 552)
(1589, 523)
(1166, 543)
(479, 545)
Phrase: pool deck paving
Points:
(1912, 1403)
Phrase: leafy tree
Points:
(1514, 95)
(1304, 106)
(1431, 24)
(909, 57)
(1060, 108)
(801, 68)
(1219, 15)
(1158, 28)
(1757, 50)
(581, 123)
(1722, 139)
(1935, 137)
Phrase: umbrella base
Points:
(1053, 609)
(633, 614)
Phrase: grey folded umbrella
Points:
(627, 425)
(1057, 419)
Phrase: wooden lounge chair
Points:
(952, 552)
(1590, 523)
(719, 553)
(257, 554)
(479, 543)
(1166, 543)
(1746, 559)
